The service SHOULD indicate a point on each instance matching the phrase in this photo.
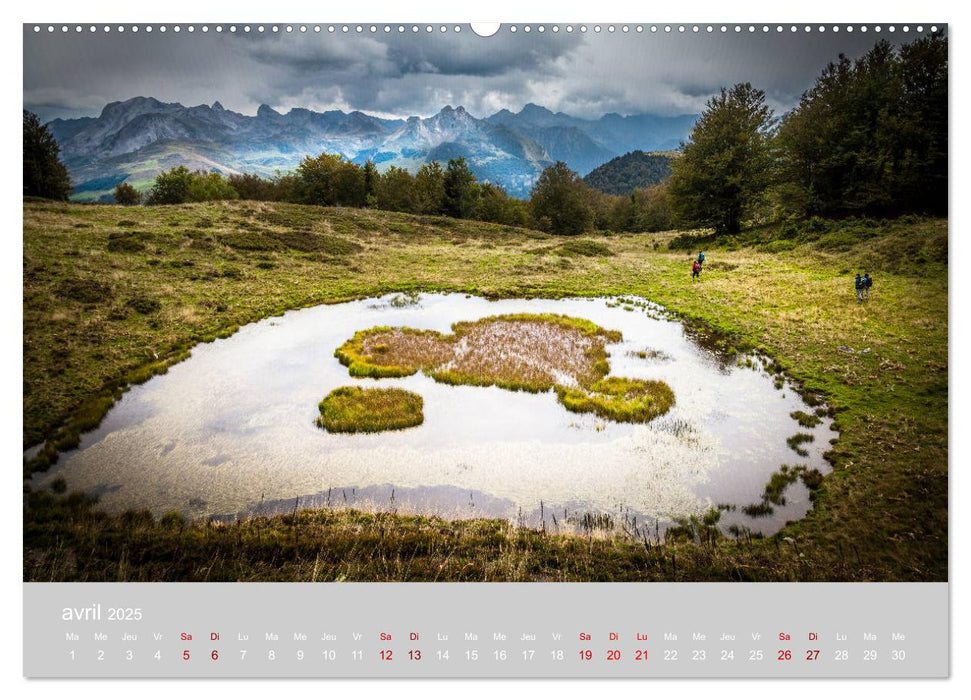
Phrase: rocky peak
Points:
(266, 111)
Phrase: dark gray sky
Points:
(76, 74)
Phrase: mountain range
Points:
(136, 139)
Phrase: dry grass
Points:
(520, 352)
(529, 352)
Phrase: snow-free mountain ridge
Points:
(135, 139)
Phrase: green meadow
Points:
(114, 295)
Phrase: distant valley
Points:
(136, 139)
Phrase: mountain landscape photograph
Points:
(405, 303)
(133, 140)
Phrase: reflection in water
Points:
(231, 430)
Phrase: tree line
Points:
(560, 202)
(868, 138)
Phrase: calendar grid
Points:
(794, 630)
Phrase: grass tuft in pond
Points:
(796, 441)
(813, 479)
(774, 493)
(650, 354)
(352, 409)
(409, 298)
(779, 481)
(806, 420)
(701, 529)
(526, 352)
(758, 510)
(519, 352)
(620, 399)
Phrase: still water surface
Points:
(230, 431)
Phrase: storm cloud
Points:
(390, 74)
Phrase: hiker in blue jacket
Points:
(701, 258)
(858, 283)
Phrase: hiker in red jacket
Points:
(695, 270)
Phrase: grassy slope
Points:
(882, 514)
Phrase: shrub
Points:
(584, 248)
(124, 243)
(127, 195)
(86, 291)
(144, 305)
(779, 246)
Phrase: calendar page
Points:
(545, 350)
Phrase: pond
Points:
(231, 431)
